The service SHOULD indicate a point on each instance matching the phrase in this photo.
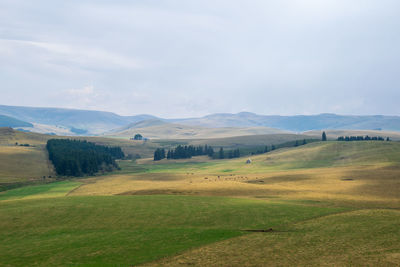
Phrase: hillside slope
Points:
(334, 134)
(94, 122)
(6, 121)
(156, 129)
(81, 122)
(297, 123)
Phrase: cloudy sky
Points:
(190, 58)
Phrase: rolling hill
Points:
(312, 205)
(90, 122)
(6, 121)
(157, 129)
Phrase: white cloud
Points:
(185, 58)
(80, 56)
(85, 91)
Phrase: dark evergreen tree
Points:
(221, 153)
(324, 136)
(159, 154)
(138, 137)
(210, 151)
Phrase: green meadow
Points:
(129, 230)
(326, 203)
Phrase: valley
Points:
(281, 208)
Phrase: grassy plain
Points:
(57, 189)
(356, 238)
(128, 230)
(328, 203)
(339, 171)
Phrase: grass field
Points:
(57, 189)
(22, 164)
(357, 238)
(129, 230)
(328, 203)
(337, 171)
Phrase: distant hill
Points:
(6, 121)
(299, 123)
(157, 129)
(90, 122)
(141, 124)
(80, 121)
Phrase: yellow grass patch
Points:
(19, 163)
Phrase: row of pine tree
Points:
(362, 138)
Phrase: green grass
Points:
(41, 226)
(128, 230)
(55, 189)
(356, 238)
(314, 155)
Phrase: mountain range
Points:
(90, 122)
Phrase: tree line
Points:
(230, 154)
(183, 152)
(362, 138)
(78, 158)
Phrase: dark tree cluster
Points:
(183, 152)
(78, 158)
(234, 153)
(361, 138)
(230, 154)
(137, 137)
(159, 154)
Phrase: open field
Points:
(128, 230)
(356, 238)
(338, 171)
(56, 189)
(146, 148)
(22, 164)
(328, 203)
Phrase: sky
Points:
(192, 58)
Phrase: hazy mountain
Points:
(86, 122)
(6, 121)
(141, 124)
(79, 121)
(297, 123)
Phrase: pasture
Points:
(365, 172)
(327, 203)
(129, 230)
(19, 164)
